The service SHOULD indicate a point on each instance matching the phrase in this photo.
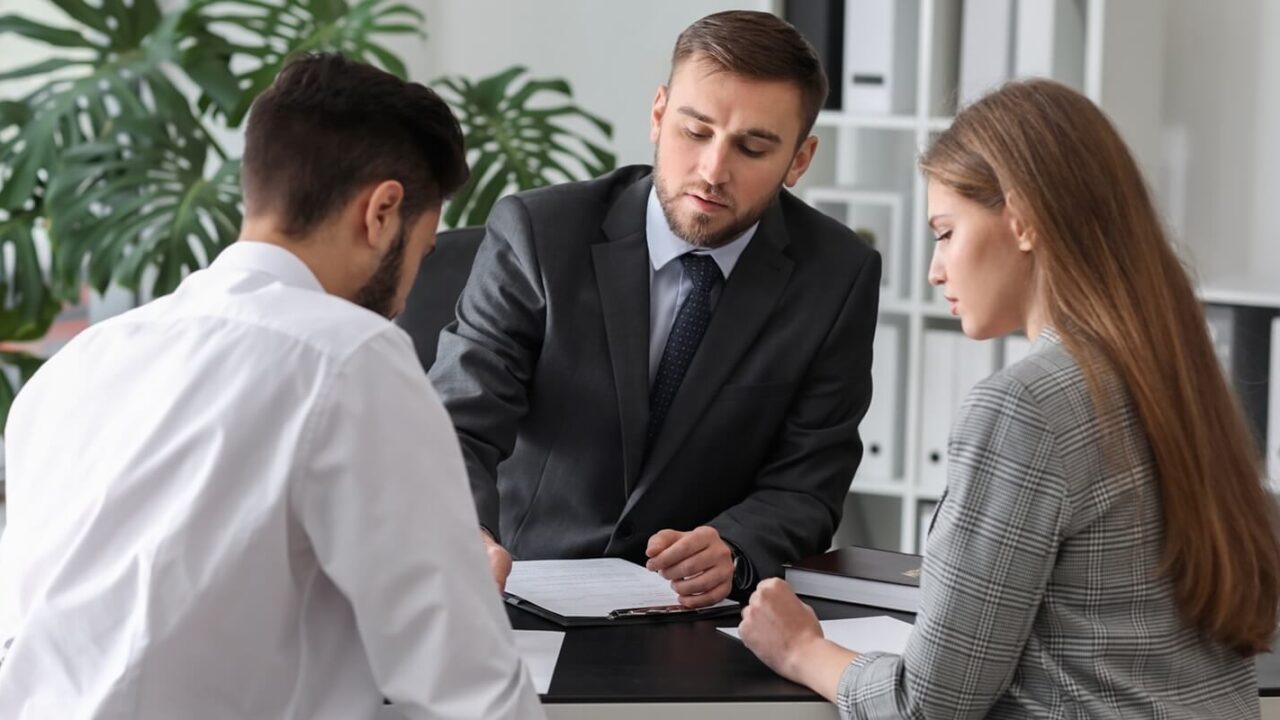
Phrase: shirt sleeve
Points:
(381, 493)
(988, 562)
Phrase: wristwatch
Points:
(742, 572)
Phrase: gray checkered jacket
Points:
(1040, 596)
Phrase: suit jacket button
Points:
(625, 529)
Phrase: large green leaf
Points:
(21, 364)
(116, 70)
(512, 146)
(276, 30)
(141, 198)
(27, 306)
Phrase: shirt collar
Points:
(273, 260)
(1048, 336)
(665, 245)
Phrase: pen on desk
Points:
(643, 611)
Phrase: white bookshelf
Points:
(874, 155)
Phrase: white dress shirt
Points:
(668, 285)
(244, 500)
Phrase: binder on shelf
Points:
(944, 67)
(821, 22)
(1049, 41)
(936, 394)
(876, 216)
(1273, 413)
(881, 428)
(986, 47)
(859, 575)
(953, 364)
(880, 39)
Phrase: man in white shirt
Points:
(244, 500)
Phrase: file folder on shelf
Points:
(880, 40)
(881, 428)
(953, 364)
(986, 47)
(1050, 40)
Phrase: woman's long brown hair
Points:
(1116, 292)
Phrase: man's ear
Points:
(1015, 214)
(800, 163)
(382, 214)
(655, 116)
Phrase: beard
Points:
(379, 292)
(697, 228)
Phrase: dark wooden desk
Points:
(674, 670)
(689, 669)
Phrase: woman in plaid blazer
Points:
(1106, 547)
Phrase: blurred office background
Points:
(1194, 86)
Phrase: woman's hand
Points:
(784, 633)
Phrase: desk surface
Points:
(691, 662)
(670, 662)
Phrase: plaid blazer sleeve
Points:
(988, 561)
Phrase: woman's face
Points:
(982, 262)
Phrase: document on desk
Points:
(540, 651)
(597, 591)
(862, 635)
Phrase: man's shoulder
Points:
(270, 315)
(585, 197)
(814, 233)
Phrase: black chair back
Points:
(434, 296)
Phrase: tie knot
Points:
(703, 271)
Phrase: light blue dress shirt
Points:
(668, 285)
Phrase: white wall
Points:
(615, 53)
(1220, 89)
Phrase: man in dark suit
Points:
(670, 364)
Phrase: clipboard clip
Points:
(646, 611)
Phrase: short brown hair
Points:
(761, 46)
(329, 126)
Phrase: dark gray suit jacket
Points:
(545, 373)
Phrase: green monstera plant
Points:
(114, 157)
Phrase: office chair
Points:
(434, 296)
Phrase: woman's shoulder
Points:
(1048, 391)
(1038, 379)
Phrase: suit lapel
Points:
(746, 302)
(622, 277)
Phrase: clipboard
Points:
(627, 616)
(600, 592)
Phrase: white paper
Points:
(861, 635)
(590, 588)
(540, 650)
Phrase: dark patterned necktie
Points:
(691, 322)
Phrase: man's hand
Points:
(499, 559)
(698, 563)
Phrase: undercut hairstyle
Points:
(760, 46)
(330, 126)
